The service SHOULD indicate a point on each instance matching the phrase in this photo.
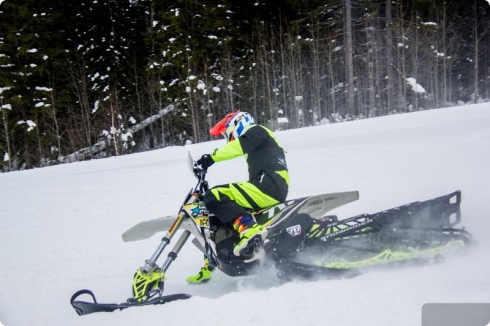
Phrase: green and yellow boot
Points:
(249, 230)
(204, 274)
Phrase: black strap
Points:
(79, 293)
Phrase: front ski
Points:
(85, 308)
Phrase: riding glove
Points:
(205, 161)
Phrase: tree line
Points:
(94, 78)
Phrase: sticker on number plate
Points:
(294, 230)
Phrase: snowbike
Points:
(302, 240)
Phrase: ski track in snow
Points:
(61, 227)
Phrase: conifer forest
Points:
(94, 78)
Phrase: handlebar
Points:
(200, 174)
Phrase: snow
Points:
(416, 87)
(31, 124)
(2, 89)
(61, 227)
(43, 89)
(201, 85)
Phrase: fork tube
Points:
(166, 239)
(171, 232)
(159, 250)
(176, 249)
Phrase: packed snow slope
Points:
(61, 226)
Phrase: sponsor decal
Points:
(202, 221)
(343, 229)
(276, 210)
(174, 223)
(294, 230)
(281, 159)
(199, 211)
(196, 211)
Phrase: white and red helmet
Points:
(233, 125)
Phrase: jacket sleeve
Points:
(231, 150)
(252, 138)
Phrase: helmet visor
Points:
(222, 126)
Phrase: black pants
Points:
(230, 201)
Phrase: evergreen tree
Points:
(104, 77)
(29, 50)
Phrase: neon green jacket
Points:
(266, 161)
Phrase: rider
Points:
(267, 186)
